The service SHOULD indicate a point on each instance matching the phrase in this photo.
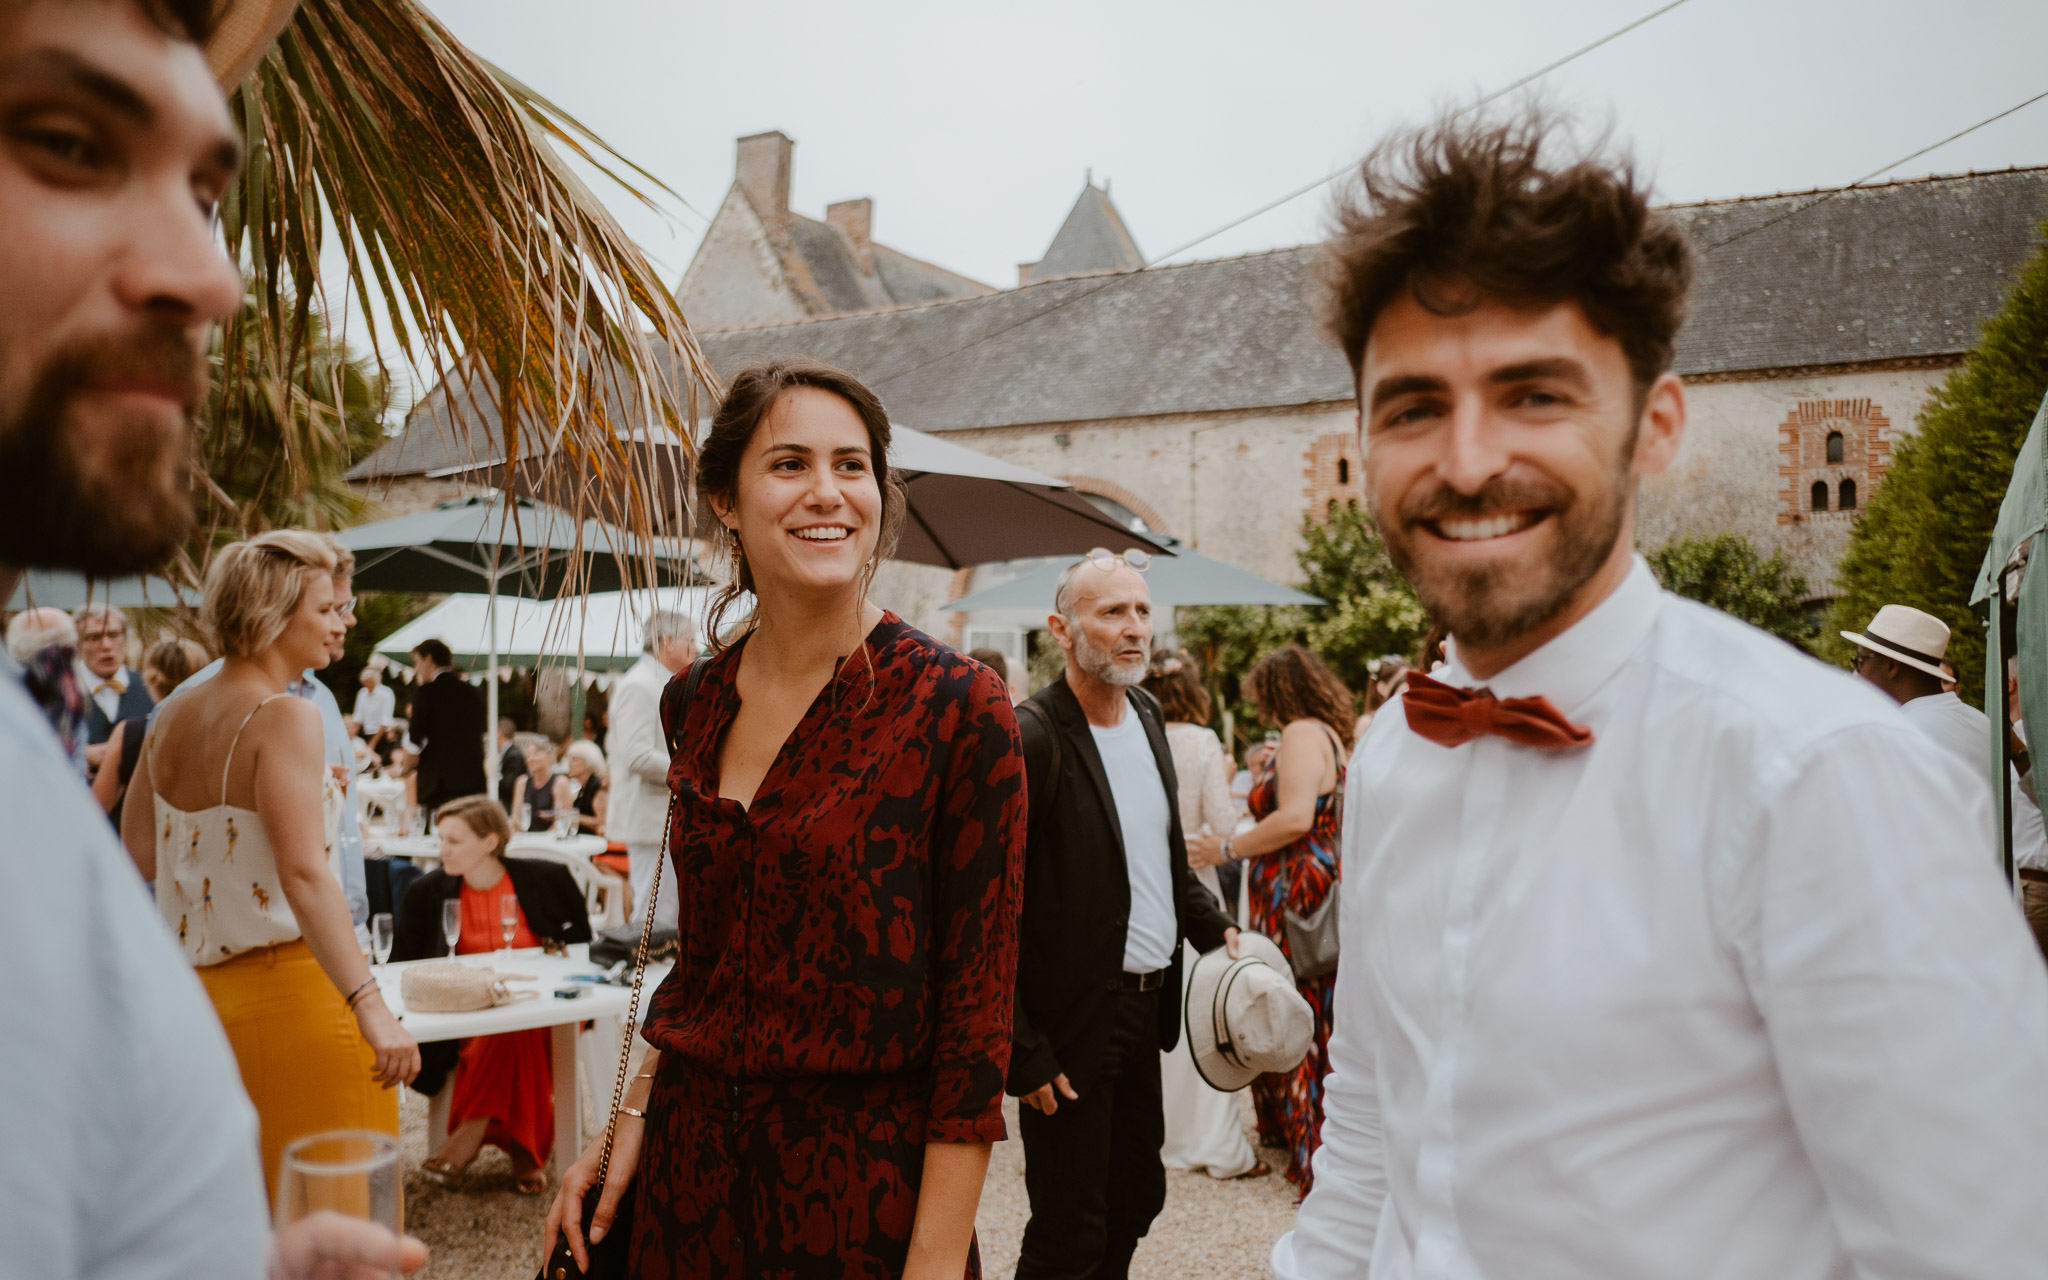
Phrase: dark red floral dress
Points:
(848, 963)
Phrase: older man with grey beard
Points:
(1107, 899)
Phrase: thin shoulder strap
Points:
(236, 740)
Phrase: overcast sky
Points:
(971, 124)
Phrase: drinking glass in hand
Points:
(508, 918)
(451, 921)
(380, 936)
(352, 1172)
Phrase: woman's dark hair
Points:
(753, 395)
(1456, 214)
(1292, 684)
(1176, 681)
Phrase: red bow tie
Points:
(1450, 716)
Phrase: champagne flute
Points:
(508, 918)
(352, 1172)
(380, 936)
(451, 921)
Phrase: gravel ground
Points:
(488, 1231)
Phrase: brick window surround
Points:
(1333, 471)
(1831, 450)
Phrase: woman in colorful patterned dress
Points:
(504, 1085)
(1297, 797)
(847, 842)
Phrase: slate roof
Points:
(1093, 239)
(1905, 270)
(824, 256)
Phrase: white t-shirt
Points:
(1140, 797)
(1957, 726)
(127, 1148)
(374, 707)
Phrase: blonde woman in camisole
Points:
(225, 813)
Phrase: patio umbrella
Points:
(964, 506)
(50, 589)
(497, 546)
(1188, 578)
(2011, 593)
(605, 635)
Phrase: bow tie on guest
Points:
(118, 685)
(1450, 717)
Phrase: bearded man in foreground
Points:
(1668, 951)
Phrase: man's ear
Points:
(1661, 428)
(1058, 626)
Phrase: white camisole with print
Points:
(217, 885)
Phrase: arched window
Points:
(1343, 471)
(1820, 495)
(1848, 502)
(1834, 447)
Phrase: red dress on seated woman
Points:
(507, 1079)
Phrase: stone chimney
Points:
(855, 219)
(763, 172)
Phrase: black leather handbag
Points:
(608, 1259)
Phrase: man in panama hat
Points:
(127, 1146)
(1901, 652)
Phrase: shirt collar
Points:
(1573, 666)
(91, 683)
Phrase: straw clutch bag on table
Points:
(447, 987)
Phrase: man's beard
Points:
(1491, 604)
(1102, 664)
(136, 510)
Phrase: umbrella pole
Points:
(491, 693)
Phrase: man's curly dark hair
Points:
(1459, 213)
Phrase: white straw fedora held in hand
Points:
(1901, 632)
(1244, 1016)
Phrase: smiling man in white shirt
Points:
(1668, 951)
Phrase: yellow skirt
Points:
(304, 1064)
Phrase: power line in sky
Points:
(1874, 173)
(1271, 205)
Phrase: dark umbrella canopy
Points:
(520, 548)
(963, 506)
(1187, 579)
(50, 589)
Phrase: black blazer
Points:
(448, 725)
(548, 898)
(1077, 898)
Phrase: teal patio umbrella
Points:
(493, 546)
(1184, 578)
(2014, 601)
(52, 589)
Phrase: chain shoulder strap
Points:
(668, 826)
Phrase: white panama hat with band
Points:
(1244, 1016)
(1905, 634)
(243, 32)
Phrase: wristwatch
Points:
(1228, 856)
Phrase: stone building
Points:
(1202, 399)
(760, 262)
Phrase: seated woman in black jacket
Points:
(504, 1090)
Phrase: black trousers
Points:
(1092, 1168)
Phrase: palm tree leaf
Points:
(471, 246)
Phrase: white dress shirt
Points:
(127, 1147)
(1960, 728)
(638, 755)
(1144, 819)
(1735, 992)
(105, 693)
(374, 708)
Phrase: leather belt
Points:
(1144, 981)
(2029, 873)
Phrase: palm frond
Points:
(370, 129)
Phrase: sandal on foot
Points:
(1258, 1170)
(445, 1176)
(531, 1183)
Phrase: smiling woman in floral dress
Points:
(847, 841)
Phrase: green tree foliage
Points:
(1922, 538)
(276, 444)
(1369, 610)
(1725, 571)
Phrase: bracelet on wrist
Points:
(369, 985)
(633, 1112)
